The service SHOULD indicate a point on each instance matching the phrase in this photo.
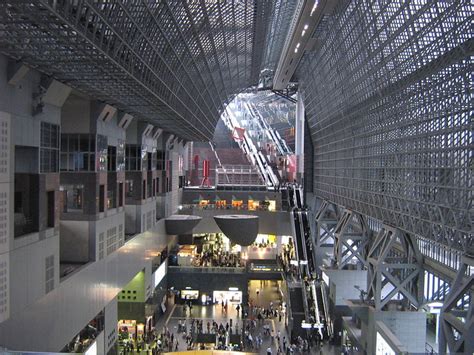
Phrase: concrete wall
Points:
(22, 262)
(28, 266)
(408, 327)
(55, 319)
(76, 114)
(74, 241)
(139, 218)
(342, 282)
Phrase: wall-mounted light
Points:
(314, 7)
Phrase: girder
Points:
(175, 64)
(387, 94)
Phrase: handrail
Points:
(209, 269)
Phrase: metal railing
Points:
(208, 269)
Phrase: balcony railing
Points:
(208, 269)
(225, 207)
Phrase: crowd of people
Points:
(265, 244)
(285, 258)
(210, 258)
(192, 328)
(152, 343)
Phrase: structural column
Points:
(299, 138)
(457, 314)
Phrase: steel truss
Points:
(457, 323)
(172, 63)
(388, 98)
(326, 221)
(401, 271)
(352, 238)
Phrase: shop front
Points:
(230, 296)
(237, 204)
(188, 295)
(129, 331)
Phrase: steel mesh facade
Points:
(388, 97)
(172, 63)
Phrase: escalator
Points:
(298, 309)
(291, 197)
(312, 293)
(300, 243)
(298, 198)
(309, 242)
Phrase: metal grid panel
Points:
(173, 63)
(389, 103)
(282, 14)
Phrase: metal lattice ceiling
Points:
(172, 63)
(389, 102)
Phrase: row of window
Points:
(90, 152)
(72, 196)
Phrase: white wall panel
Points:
(4, 287)
(56, 318)
(110, 327)
(28, 272)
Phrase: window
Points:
(149, 187)
(49, 148)
(50, 209)
(144, 158)
(132, 157)
(72, 198)
(120, 197)
(111, 197)
(102, 152)
(49, 273)
(150, 160)
(157, 186)
(144, 190)
(120, 155)
(112, 158)
(101, 198)
(129, 188)
(18, 205)
(78, 152)
(160, 157)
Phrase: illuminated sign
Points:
(159, 274)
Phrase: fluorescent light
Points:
(305, 325)
(314, 7)
(296, 51)
(298, 45)
(305, 27)
(302, 33)
(233, 288)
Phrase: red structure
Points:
(238, 134)
(205, 173)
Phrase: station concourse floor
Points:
(268, 292)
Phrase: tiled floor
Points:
(268, 292)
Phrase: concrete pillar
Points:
(299, 138)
